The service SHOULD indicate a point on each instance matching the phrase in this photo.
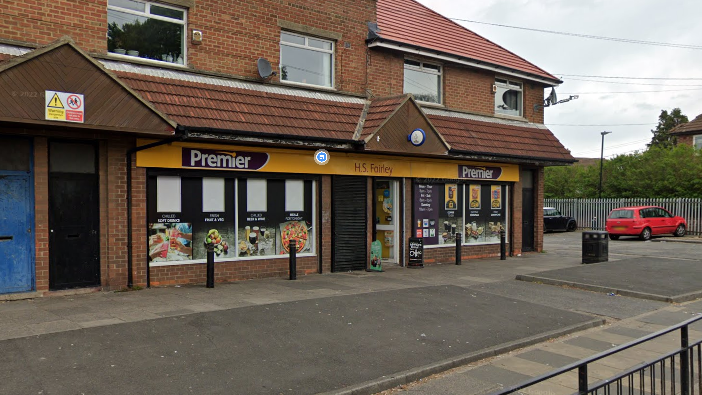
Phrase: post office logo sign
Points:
(227, 160)
(479, 172)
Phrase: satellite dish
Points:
(552, 97)
(264, 68)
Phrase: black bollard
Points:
(210, 265)
(293, 259)
(503, 247)
(458, 248)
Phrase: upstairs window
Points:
(306, 60)
(508, 97)
(146, 30)
(697, 141)
(423, 81)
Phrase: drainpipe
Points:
(180, 135)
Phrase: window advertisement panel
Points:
(214, 223)
(438, 212)
(486, 213)
(271, 212)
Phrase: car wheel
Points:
(645, 234)
(680, 231)
(614, 237)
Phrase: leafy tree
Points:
(666, 122)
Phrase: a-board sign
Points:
(376, 256)
(416, 252)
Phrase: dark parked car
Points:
(554, 220)
(644, 221)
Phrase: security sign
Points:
(63, 106)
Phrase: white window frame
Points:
(422, 69)
(504, 83)
(306, 46)
(697, 140)
(147, 14)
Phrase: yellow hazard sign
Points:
(55, 102)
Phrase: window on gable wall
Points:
(423, 81)
(306, 60)
(697, 141)
(146, 30)
(508, 97)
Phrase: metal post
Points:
(210, 265)
(293, 259)
(684, 361)
(503, 247)
(582, 379)
(458, 248)
(601, 160)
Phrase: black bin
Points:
(595, 246)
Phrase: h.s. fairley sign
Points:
(228, 160)
(479, 172)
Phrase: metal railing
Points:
(678, 372)
(592, 213)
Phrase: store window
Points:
(438, 212)
(146, 30)
(423, 80)
(486, 213)
(508, 97)
(306, 60)
(238, 218)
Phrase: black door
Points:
(527, 177)
(74, 220)
(349, 205)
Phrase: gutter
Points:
(180, 136)
(214, 133)
(519, 157)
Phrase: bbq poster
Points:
(474, 196)
(496, 197)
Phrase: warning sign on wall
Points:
(62, 106)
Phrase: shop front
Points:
(249, 202)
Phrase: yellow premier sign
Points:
(274, 160)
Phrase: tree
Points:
(666, 122)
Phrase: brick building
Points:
(134, 133)
(689, 133)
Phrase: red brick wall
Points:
(235, 33)
(41, 212)
(465, 89)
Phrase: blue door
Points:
(16, 269)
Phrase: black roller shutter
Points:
(349, 205)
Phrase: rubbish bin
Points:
(595, 246)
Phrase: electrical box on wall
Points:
(197, 37)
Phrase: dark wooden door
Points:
(74, 217)
(349, 223)
(527, 219)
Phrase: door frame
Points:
(399, 224)
(96, 146)
(31, 205)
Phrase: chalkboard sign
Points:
(416, 252)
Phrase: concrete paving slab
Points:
(551, 359)
(632, 333)
(500, 376)
(662, 279)
(590, 343)
(666, 318)
(522, 366)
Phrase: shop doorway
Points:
(527, 177)
(349, 223)
(387, 218)
(16, 216)
(74, 216)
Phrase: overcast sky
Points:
(675, 21)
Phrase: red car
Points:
(644, 221)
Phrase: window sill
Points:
(511, 117)
(138, 60)
(304, 85)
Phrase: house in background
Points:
(689, 133)
(157, 128)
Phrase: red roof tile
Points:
(409, 22)
(690, 127)
(228, 108)
(378, 111)
(500, 139)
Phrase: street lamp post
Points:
(601, 160)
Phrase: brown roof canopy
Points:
(692, 127)
(63, 67)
